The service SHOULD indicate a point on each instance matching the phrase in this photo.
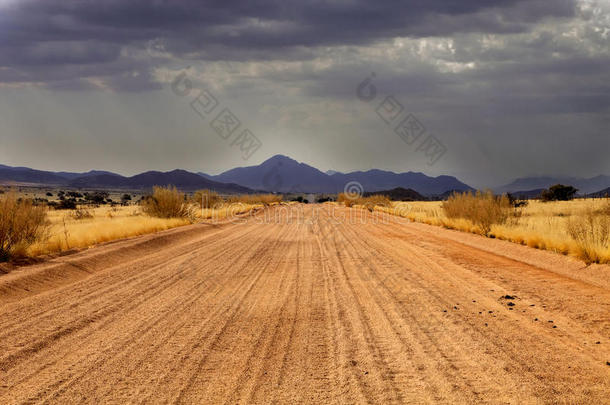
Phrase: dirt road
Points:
(307, 307)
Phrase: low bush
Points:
(81, 213)
(374, 201)
(369, 202)
(346, 200)
(21, 224)
(591, 232)
(482, 208)
(166, 202)
(207, 199)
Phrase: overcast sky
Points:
(509, 88)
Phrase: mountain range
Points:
(106, 180)
(283, 174)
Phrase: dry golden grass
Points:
(21, 224)
(345, 200)
(69, 230)
(538, 225)
(369, 203)
(87, 227)
(235, 205)
(226, 210)
(255, 199)
(590, 231)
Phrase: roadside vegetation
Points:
(369, 202)
(580, 228)
(483, 209)
(591, 232)
(22, 224)
(34, 226)
(262, 199)
(237, 205)
(166, 202)
(207, 199)
(30, 227)
(556, 222)
(73, 230)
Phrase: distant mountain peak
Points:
(279, 159)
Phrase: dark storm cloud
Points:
(96, 33)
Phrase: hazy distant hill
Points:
(331, 172)
(283, 174)
(375, 180)
(27, 175)
(72, 176)
(527, 194)
(103, 179)
(601, 193)
(180, 178)
(399, 194)
(583, 185)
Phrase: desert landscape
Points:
(304, 202)
(304, 306)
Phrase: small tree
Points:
(559, 192)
